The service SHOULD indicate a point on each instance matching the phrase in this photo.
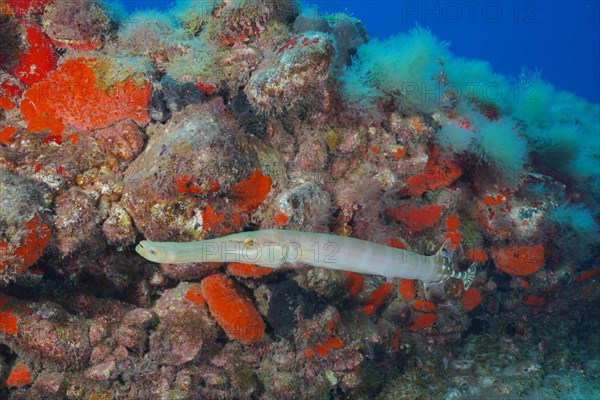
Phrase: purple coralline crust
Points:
(60, 341)
(226, 373)
(185, 327)
(118, 227)
(48, 385)
(76, 220)
(251, 92)
(123, 139)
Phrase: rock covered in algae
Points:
(304, 207)
(295, 76)
(47, 333)
(78, 24)
(199, 147)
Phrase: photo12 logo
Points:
(275, 253)
(472, 12)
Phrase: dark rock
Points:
(157, 108)
(286, 297)
(170, 96)
(178, 95)
(349, 35)
(247, 117)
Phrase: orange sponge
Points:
(69, 96)
(36, 238)
(416, 219)
(236, 315)
(38, 61)
(519, 260)
(20, 376)
(248, 270)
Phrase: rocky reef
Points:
(209, 120)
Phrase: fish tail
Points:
(469, 275)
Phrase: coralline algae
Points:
(206, 121)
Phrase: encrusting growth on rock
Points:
(254, 199)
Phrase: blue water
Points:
(559, 38)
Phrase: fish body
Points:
(273, 248)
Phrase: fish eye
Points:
(250, 242)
